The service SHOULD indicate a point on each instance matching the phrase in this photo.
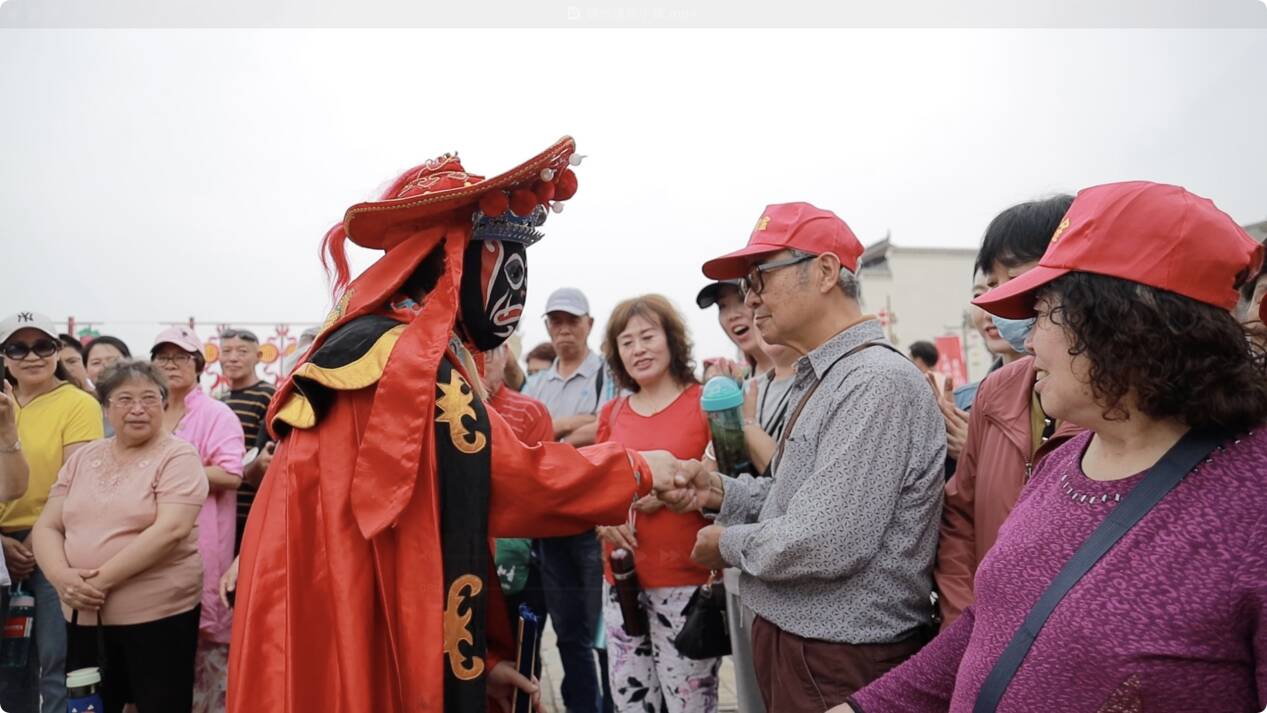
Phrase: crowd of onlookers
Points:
(889, 530)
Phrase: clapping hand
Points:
(720, 366)
(956, 419)
(8, 416)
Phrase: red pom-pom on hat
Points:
(565, 186)
(522, 202)
(494, 203)
(544, 191)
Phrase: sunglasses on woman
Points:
(43, 348)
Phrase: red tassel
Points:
(334, 259)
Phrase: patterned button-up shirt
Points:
(839, 544)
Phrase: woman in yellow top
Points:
(43, 420)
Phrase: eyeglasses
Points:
(173, 359)
(43, 349)
(245, 335)
(754, 281)
(127, 402)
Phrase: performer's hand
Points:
(619, 536)
(229, 582)
(707, 552)
(696, 487)
(504, 680)
(665, 467)
(842, 708)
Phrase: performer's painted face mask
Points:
(495, 277)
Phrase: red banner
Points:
(951, 361)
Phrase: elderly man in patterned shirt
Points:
(836, 550)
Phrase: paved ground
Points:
(552, 678)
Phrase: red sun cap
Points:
(785, 226)
(1151, 233)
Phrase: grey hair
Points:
(847, 281)
(121, 372)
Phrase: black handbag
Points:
(705, 634)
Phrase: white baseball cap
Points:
(27, 320)
(570, 300)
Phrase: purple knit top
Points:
(1173, 618)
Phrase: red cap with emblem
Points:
(1151, 233)
(784, 226)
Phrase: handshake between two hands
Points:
(683, 485)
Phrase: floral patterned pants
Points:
(211, 674)
(647, 669)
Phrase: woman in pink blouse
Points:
(216, 433)
(117, 540)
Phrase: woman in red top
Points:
(649, 353)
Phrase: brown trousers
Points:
(799, 675)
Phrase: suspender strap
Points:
(1157, 482)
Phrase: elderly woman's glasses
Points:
(43, 349)
(126, 403)
(755, 280)
(173, 358)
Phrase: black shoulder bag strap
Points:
(1180, 460)
(598, 390)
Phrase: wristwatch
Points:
(17, 446)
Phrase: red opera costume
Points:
(356, 591)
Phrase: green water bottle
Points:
(722, 401)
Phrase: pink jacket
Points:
(216, 433)
(994, 466)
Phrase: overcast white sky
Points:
(148, 176)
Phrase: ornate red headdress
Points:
(440, 191)
(434, 203)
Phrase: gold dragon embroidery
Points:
(454, 405)
(457, 626)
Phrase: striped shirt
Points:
(527, 417)
(251, 406)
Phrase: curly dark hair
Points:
(1180, 358)
(658, 309)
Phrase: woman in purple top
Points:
(1135, 341)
